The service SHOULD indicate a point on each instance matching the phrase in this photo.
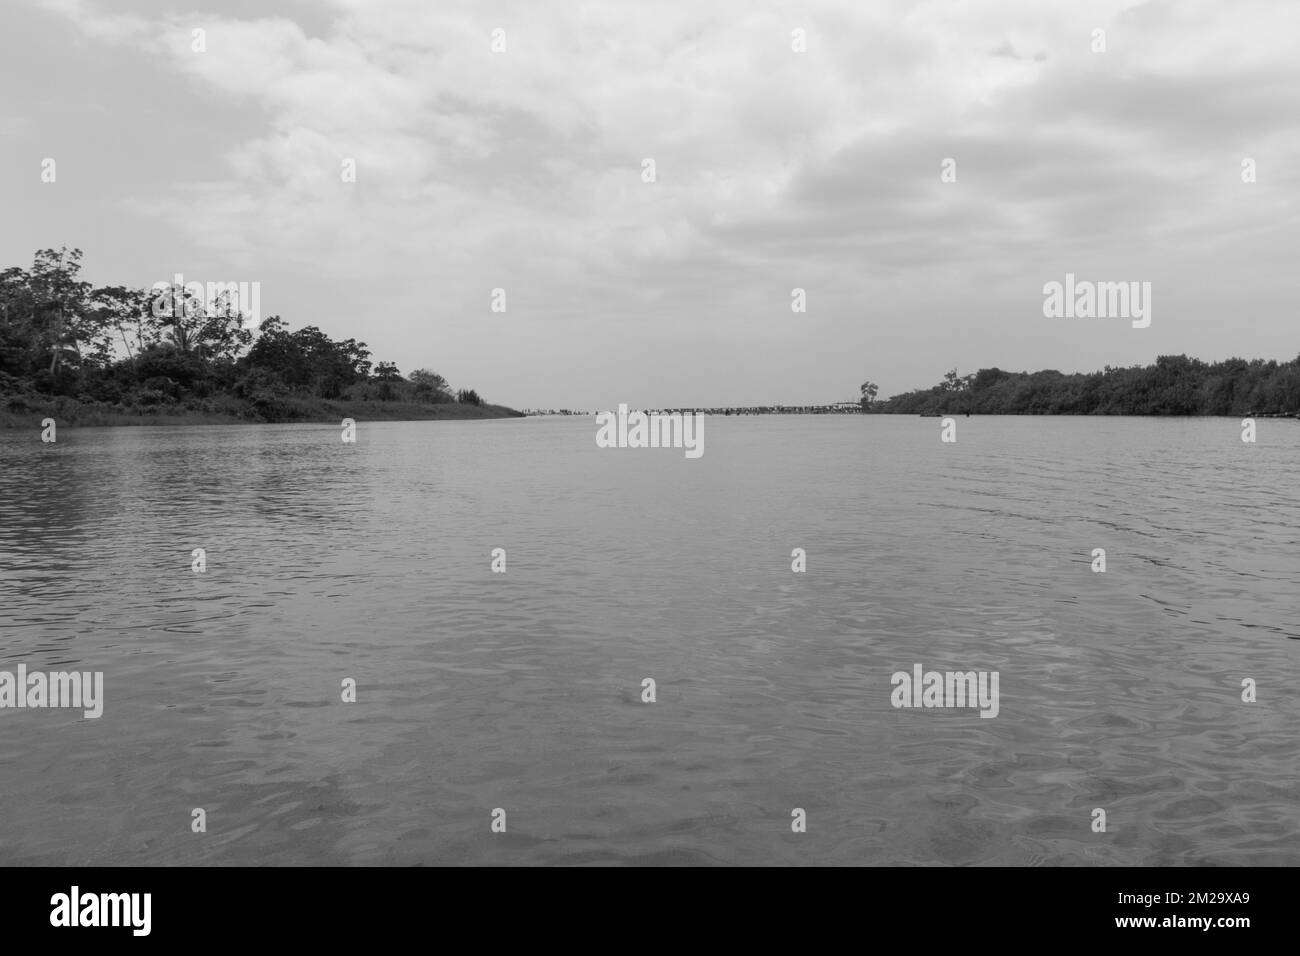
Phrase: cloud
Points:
(477, 169)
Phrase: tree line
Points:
(1174, 385)
(139, 349)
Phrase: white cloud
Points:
(474, 166)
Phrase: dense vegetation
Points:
(113, 353)
(1175, 385)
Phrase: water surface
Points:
(522, 690)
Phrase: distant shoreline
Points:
(305, 411)
(1175, 385)
(742, 411)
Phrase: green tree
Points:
(430, 386)
(62, 305)
(954, 383)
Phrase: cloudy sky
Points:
(774, 170)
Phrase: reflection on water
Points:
(523, 691)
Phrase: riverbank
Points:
(1175, 385)
(28, 412)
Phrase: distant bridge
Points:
(831, 408)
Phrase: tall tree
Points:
(62, 301)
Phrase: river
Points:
(523, 691)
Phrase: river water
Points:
(523, 690)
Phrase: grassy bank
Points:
(28, 411)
